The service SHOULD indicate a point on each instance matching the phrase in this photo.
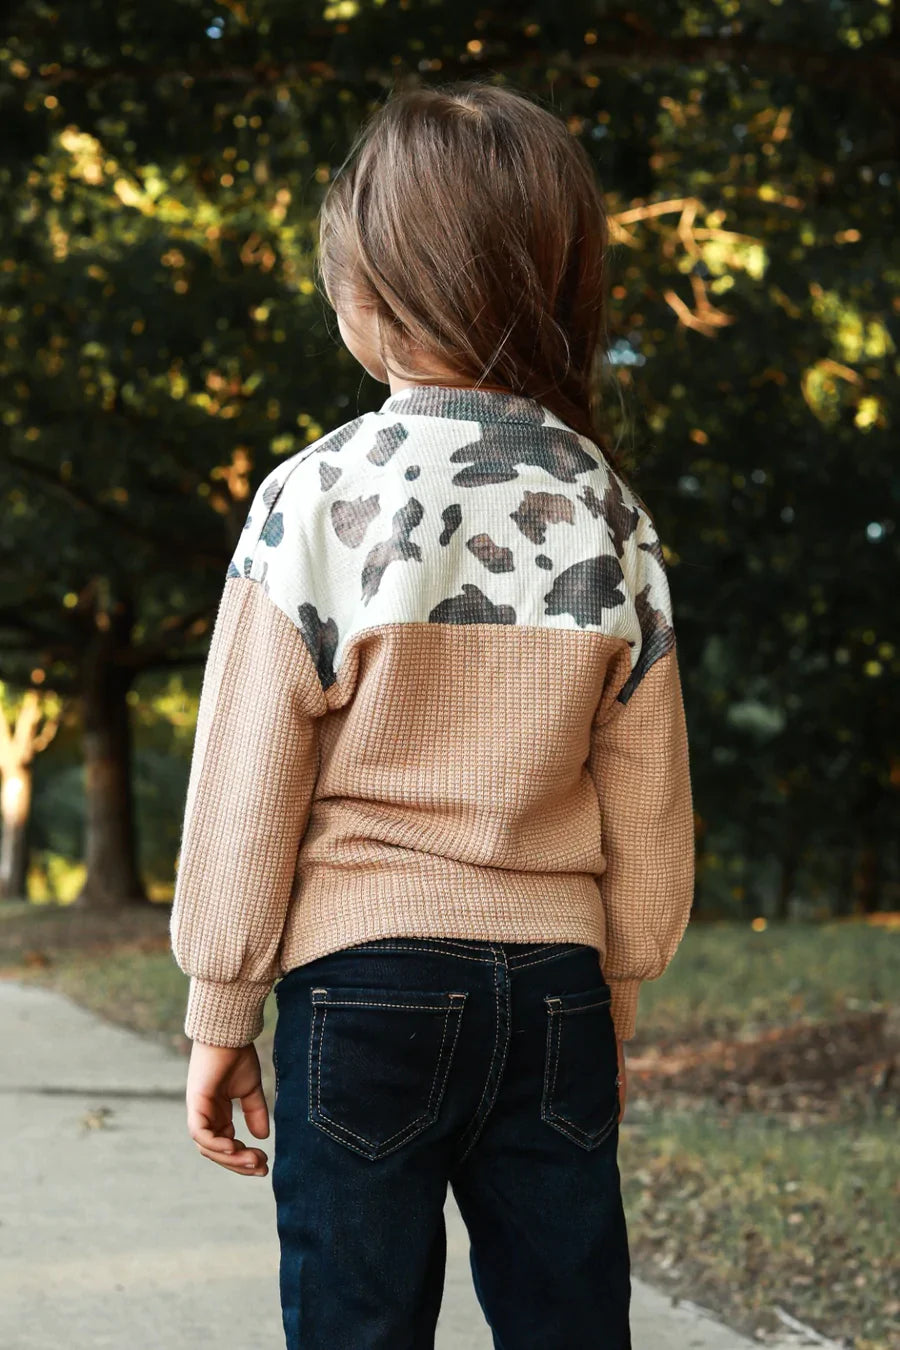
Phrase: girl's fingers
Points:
(256, 1112)
(239, 1156)
(206, 1138)
(211, 1126)
(253, 1167)
(207, 1123)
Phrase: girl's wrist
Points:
(227, 1051)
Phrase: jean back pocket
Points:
(379, 1059)
(581, 1070)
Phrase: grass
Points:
(728, 979)
(749, 1213)
(739, 1208)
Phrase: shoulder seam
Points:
(297, 626)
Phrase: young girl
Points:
(440, 787)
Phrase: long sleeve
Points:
(639, 761)
(250, 786)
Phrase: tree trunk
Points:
(15, 807)
(867, 879)
(112, 879)
(867, 873)
(843, 905)
(788, 878)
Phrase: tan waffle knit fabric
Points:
(441, 698)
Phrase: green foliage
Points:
(53, 878)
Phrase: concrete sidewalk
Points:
(114, 1232)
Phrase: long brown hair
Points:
(471, 220)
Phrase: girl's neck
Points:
(444, 378)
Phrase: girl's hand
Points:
(215, 1077)
(623, 1077)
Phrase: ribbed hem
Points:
(624, 1006)
(228, 1014)
(434, 896)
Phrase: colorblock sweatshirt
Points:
(441, 699)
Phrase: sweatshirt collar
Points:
(469, 405)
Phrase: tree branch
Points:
(141, 656)
(130, 528)
(872, 68)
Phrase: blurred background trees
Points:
(164, 345)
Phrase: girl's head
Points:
(464, 241)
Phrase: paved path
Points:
(114, 1232)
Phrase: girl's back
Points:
(475, 616)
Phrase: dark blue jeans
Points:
(403, 1064)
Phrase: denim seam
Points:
(376, 944)
(514, 962)
(476, 1124)
(549, 1058)
(360, 1003)
(446, 951)
(521, 965)
(513, 958)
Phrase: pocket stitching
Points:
(583, 1138)
(413, 1125)
(581, 1007)
(375, 1150)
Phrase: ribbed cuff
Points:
(624, 1006)
(228, 1014)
